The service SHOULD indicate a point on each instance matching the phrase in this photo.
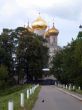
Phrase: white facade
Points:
(39, 32)
(53, 41)
(39, 26)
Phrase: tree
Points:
(78, 58)
(3, 76)
(67, 64)
(57, 65)
(7, 50)
(23, 53)
(32, 55)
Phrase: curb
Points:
(75, 96)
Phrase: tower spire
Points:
(39, 13)
(53, 22)
(28, 23)
(80, 27)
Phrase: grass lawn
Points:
(76, 91)
(29, 104)
(14, 94)
(79, 91)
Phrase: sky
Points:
(66, 14)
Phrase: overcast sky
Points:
(67, 15)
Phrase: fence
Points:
(29, 92)
(68, 87)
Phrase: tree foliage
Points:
(32, 55)
(67, 63)
(3, 75)
(23, 54)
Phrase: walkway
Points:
(50, 98)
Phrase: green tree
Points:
(67, 64)
(32, 55)
(78, 59)
(23, 53)
(6, 51)
(3, 76)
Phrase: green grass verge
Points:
(74, 91)
(29, 104)
(77, 91)
(15, 96)
(11, 90)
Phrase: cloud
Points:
(35, 3)
(67, 15)
(66, 9)
(69, 9)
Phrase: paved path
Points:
(50, 98)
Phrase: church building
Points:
(40, 27)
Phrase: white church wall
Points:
(39, 32)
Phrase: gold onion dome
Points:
(39, 24)
(53, 31)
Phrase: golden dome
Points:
(39, 24)
(53, 31)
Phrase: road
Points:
(50, 98)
